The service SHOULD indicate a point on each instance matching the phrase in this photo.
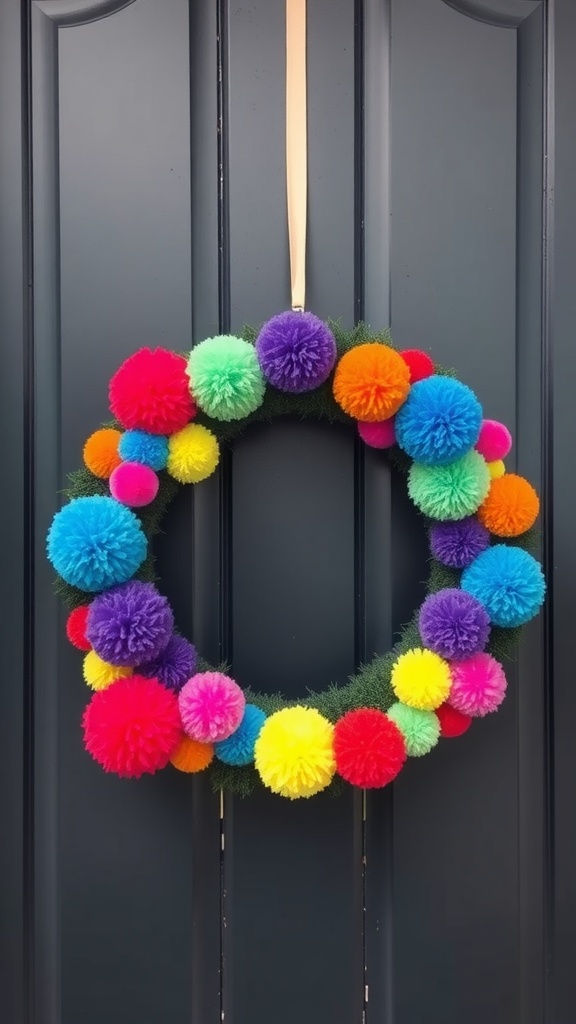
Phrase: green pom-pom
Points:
(450, 492)
(225, 377)
(420, 729)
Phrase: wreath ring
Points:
(155, 700)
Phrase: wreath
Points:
(156, 701)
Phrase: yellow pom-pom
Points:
(421, 679)
(294, 754)
(99, 674)
(192, 756)
(193, 454)
(101, 452)
(496, 469)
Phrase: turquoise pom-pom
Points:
(509, 582)
(225, 377)
(147, 449)
(238, 749)
(439, 421)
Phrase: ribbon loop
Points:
(296, 147)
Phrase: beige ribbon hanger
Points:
(296, 147)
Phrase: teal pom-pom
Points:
(95, 543)
(238, 749)
(439, 421)
(509, 582)
(147, 449)
(225, 377)
(450, 492)
(420, 729)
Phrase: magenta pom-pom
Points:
(478, 685)
(495, 440)
(211, 707)
(378, 435)
(133, 484)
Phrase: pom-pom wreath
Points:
(420, 729)
(378, 435)
(452, 722)
(225, 377)
(193, 454)
(509, 582)
(439, 421)
(453, 624)
(94, 543)
(496, 469)
(296, 351)
(478, 685)
(421, 679)
(101, 452)
(130, 624)
(174, 665)
(494, 441)
(133, 484)
(293, 753)
(211, 707)
(371, 382)
(132, 727)
(458, 544)
(419, 363)
(99, 674)
(76, 627)
(238, 749)
(149, 449)
(449, 492)
(511, 506)
(150, 392)
(369, 748)
(191, 756)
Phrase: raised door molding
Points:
(79, 12)
(503, 13)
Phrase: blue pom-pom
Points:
(147, 449)
(95, 543)
(509, 582)
(439, 421)
(238, 749)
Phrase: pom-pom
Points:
(419, 363)
(225, 377)
(511, 506)
(421, 679)
(76, 627)
(130, 624)
(99, 673)
(449, 492)
(439, 421)
(496, 469)
(420, 729)
(132, 727)
(211, 707)
(509, 583)
(193, 454)
(101, 452)
(494, 441)
(458, 544)
(478, 685)
(369, 748)
(371, 382)
(148, 449)
(452, 722)
(238, 749)
(94, 543)
(378, 435)
(454, 624)
(150, 392)
(133, 484)
(174, 665)
(296, 351)
(293, 752)
(191, 756)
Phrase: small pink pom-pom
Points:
(211, 707)
(494, 441)
(478, 685)
(134, 484)
(378, 435)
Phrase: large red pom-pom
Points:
(452, 722)
(419, 363)
(151, 392)
(132, 727)
(76, 628)
(369, 748)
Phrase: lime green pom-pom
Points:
(225, 377)
(420, 729)
(450, 492)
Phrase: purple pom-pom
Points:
(458, 544)
(452, 625)
(174, 665)
(130, 624)
(296, 351)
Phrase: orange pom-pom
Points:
(371, 382)
(511, 506)
(101, 452)
(191, 756)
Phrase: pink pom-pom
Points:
(134, 484)
(495, 440)
(478, 685)
(378, 435)
(211, 707)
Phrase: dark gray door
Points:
(142, 201)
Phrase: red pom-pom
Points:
(452, 722)
(419, 363)
(76, 628)
(132, 727)
(151, 392)
(369, 748)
